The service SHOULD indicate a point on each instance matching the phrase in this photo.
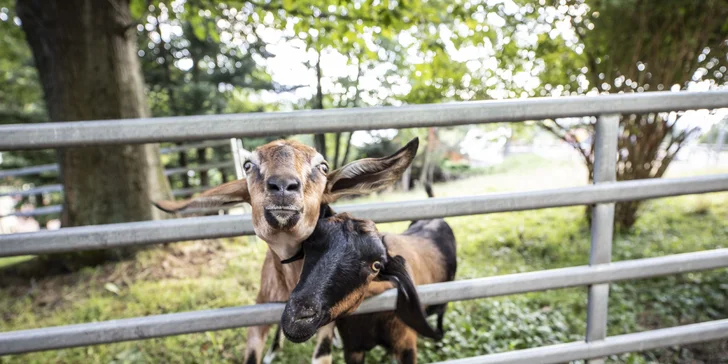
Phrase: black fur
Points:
(428, 190)
(276, 340)
(354, 357)
(251, 359)
(408, 357)
(409, 309)
(324, 349)
(361, 333)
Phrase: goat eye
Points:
(376, 267)
(324, 168)
(247, 166)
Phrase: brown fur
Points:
(425, 263)
(352, 300)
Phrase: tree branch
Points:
(566, 136)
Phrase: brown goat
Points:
(286, 184)
(347, 260)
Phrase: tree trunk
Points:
(345, 158)
(319, 140)
(183, 163)
(426, 173)
(86, 56)
(406, 178)
(202, 159)
(337, 145)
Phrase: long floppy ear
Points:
(409, 309)
(369, 174)
(227, 193)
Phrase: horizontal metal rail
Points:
(151, 232)
(127, 131)
(189, 146)
(54, 168)
(199, 167)
(22, 341)
(43, 210)
(45, 168)
(57, 209)
(34, 191)
(641, 341)
(59, 187)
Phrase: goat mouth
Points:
(277, 208)
(300, 330)
(298, 337)
(282, 217)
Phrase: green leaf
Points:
(138, 8)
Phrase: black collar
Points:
(295, 257)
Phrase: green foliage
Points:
(20, 94)
(188, 70)
(21, 101)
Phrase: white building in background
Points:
(485, 148)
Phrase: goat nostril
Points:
(283, 184)
(295, 186)
(273, 186)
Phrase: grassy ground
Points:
(213, 274)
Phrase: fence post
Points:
(602, 230)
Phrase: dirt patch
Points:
(172, 261)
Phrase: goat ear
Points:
(409, 309)
(369, 174)
(224, 194)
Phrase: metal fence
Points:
(602, 194)
(57, 188)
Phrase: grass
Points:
(215, 274)
(6, 262)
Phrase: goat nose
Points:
(283, 184)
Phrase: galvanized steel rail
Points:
(34, 190)
(603, 194)
(54, 168)
(187, 128)
(225, 318)
(165, 231)
(653, 339)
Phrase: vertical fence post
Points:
(602, 230)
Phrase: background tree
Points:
(95, 78)
(195, 62)
(633, 46)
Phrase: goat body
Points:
(347, 260)
(428, 247)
